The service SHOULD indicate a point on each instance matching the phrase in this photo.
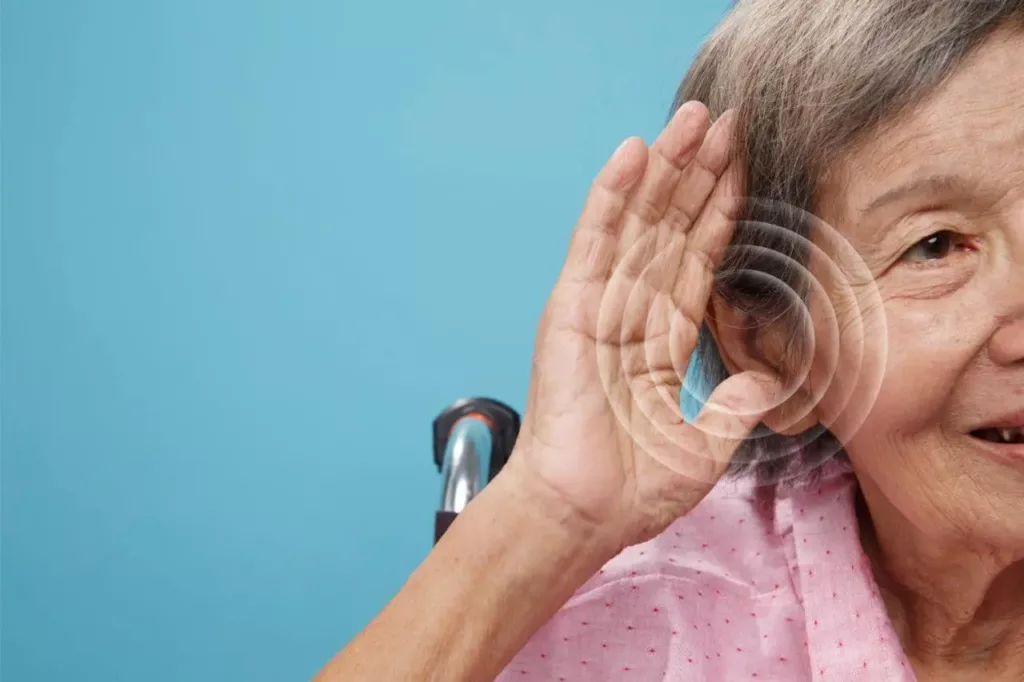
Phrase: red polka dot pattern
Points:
(754, 584)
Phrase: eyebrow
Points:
(929, 185)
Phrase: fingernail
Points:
(691, 108)
(724, 121)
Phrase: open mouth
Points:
(1001, 436)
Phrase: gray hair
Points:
(809, 80)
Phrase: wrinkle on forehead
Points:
(972, 126)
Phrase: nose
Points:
(1007, 345)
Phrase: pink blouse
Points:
(754, 584)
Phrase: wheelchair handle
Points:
(473, 439)
(464, 470)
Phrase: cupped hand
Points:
(603, 434)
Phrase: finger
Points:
(705, 247)
(681, 139)
(694, 184)
(701, 451)
(677, 313)
(702, 253)
(592, 249)
(647, 319)
(669, 294)
(670, 340)
(699, 177)
(668, 298)
(654, 367)
(666, 280)
(671, 153)
(661, 432)
(732, 412)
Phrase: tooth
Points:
(1011, 435)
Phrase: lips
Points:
(1000, 435)
(1002, 439)
(1001, 429)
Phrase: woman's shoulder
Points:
(717, 538)
(721, 594)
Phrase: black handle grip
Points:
(503, 422)
(504, 429)
(442, 520)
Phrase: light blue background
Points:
(250, 249)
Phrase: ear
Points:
(744, 346)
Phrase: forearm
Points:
(503, 568)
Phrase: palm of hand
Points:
(603, 430)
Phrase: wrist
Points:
(537, 505)
(509, 561)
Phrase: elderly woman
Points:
(844, 248)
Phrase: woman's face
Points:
(934, 206)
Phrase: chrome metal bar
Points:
(464, 471)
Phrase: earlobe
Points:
(736, 339)
(782, 420)
(721, 322)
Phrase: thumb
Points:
(733, 410)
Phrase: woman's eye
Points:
(933, 247)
